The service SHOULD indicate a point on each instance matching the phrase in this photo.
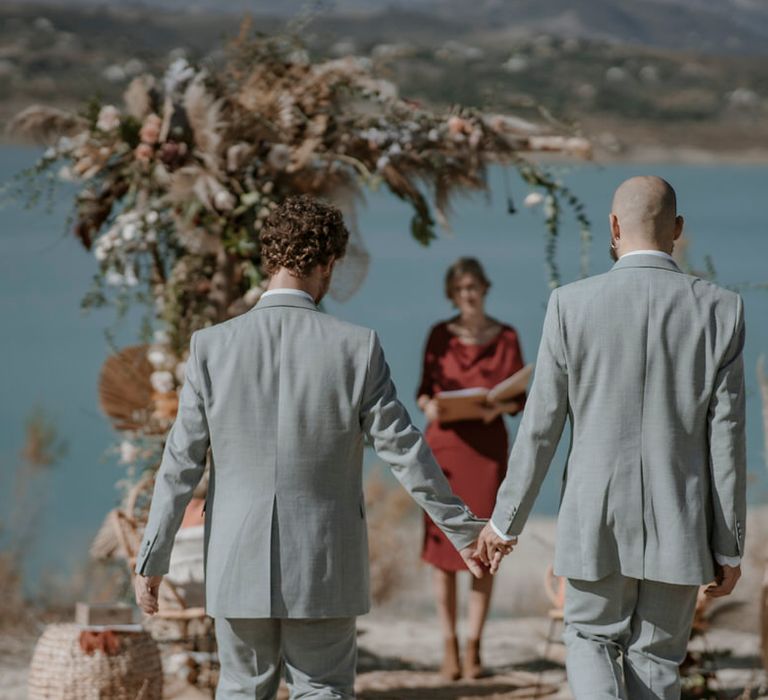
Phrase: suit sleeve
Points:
(401, 445)
(180, 471)
(539, 432)
(727, 448)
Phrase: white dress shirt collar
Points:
(657, 253)
(292, 292)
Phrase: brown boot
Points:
(473, 668)
(451, 670)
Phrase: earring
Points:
(613, 244)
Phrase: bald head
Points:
(644, 215)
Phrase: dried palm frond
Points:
(204, 116)
(125, 391)
(351, 270)
(195, 239)
(138, 97)
(194, 183)
(45, 124)
(106, 544)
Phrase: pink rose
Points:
(150, 130)
(457, 125)
(144, 152)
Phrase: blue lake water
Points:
(51, 352)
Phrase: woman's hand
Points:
(432, 410)
(491, 411)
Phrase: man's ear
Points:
(613, 221)
(679, 224)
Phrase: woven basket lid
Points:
(61, 670)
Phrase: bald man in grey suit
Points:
(281, 400)
(646, 364)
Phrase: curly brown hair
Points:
(300, 234)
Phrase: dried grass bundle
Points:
(125, 391)
(45, 124)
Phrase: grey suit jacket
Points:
(646, 363)
(285, 396)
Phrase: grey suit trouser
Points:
(626, 638)
(319, 657)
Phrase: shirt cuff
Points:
(727, 561)
(506, 538)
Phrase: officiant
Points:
(470, 350)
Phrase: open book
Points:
(467, 404)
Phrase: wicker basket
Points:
(61, 670)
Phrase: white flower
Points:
(114, 278)
(178, 73)
(130, 277)
(549, 206)
(162, 381)
(161, 336)
(100, 252)
(382, 163)
(159, 358)
(65, 174)
(394, 149)
(129, 452)
(223, 200)
(109, 118)
(433, 135)
(152, 217)
(376, 136)
(129, 232)
(533, 199)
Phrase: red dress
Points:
(473, 454)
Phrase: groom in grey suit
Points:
(646, 364)
(280, 402)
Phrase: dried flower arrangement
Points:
(173, 188)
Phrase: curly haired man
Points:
(280, 401)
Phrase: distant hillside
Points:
(731, 26)
(616, 92)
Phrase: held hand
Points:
(146, 589)
(725, 581)
(497, 408)
(472, 562)
(491, 548)
(511, 406)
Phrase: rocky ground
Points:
(400, 642)
(399, 658)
